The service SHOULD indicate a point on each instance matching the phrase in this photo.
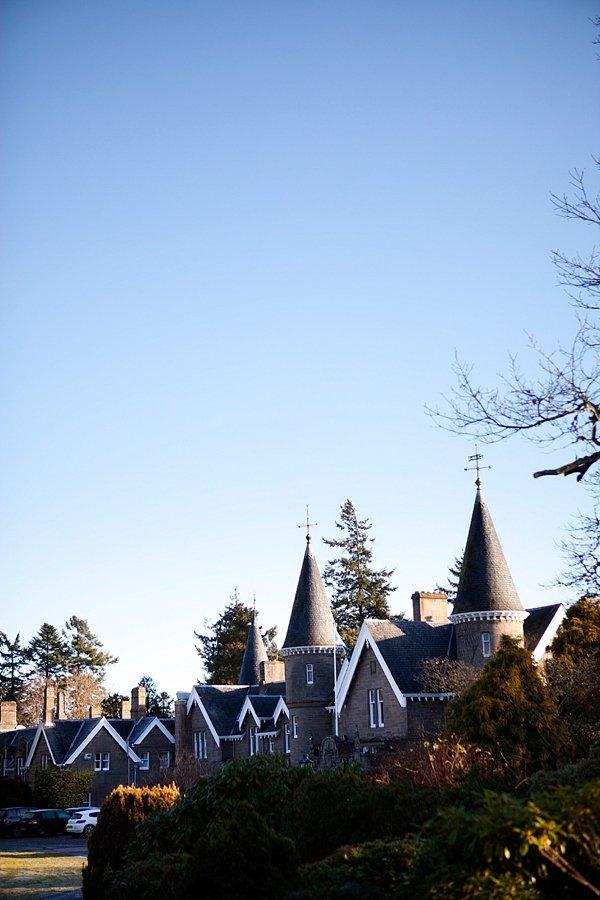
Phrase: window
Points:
(286, 738)
(252, 740)
(376, 708)
(372, 708)
(379, 708)
(200, 748)
(145, 759)
(44, 761)
(164, 759)
(295, 726)
(20, 765)
(310, 677)
(271, 747)
(486, 644)
(101, 762)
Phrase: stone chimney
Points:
(8, 715)
(138, 702)
(49, 703)
(61, 705)
(125, 709)
(95, 712)
(430, 607)
(182, 730)
(270, 671)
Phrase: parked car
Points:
(40, 822)
(10, 818)
(82, 822)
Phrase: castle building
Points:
(311, 707)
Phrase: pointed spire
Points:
(485, 583)
(311, 621)
(254, 654)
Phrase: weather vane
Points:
(476, 468)
(308, 525)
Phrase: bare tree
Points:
(560, 404)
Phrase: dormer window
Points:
(486, 644)
(310, 676)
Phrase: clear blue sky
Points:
(241, 242)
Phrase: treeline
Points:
(74, 662)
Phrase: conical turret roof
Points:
(311, 621)
(254, 654)
(485, 584)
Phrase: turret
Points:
(254, 654)
(308, 651)
(487, 605)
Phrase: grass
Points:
(30, 875)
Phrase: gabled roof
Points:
(89, 731)
(254, 654)
(485, 583)
(220, 704)
(145, 726)
(404, 645)
(540, 628)
(311, 621)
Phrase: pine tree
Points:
(48, 652)
(85, 651)
(12, 663)
(359, 592)
(222, 650)
(160, 705)
(452, 584)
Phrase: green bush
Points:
(121, 812)
(379, 864)
(157, 878)
(53, 787)
(246, 860)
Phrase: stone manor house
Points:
(319, 704)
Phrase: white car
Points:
(82, 822)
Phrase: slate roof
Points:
(485, 584)
(404, 644)
(222, 703)
(264, 706)
(254, 654)
(311, 621)
(63, 735)
(536, 624)
(275, 687)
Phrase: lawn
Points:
(30, 875)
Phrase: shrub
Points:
(121, 812)
(246, 860)
(380, 864)
(53, 787)
(157, 878)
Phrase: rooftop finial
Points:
(476, 468)
(254, 603)
(308, 526)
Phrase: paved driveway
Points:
(60, 845)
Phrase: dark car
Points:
(10, 817)
(40, 822)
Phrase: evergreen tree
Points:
(359, 592)
(452, 584)
(48, 652)
(222, 650)
(160, 705)
(12, 663)
(509, 712)
(579, 633)
(111, 705)
(85, 651)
